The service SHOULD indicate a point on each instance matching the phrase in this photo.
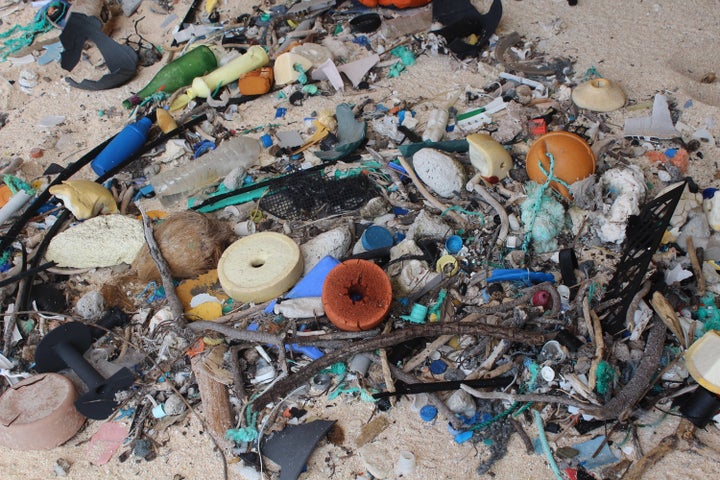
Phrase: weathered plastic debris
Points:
(658, 125)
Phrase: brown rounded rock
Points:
(356, 295)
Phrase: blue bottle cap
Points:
(453, 244)
(375, 237)
(428, 413)
(438, 367)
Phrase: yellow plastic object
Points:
(702, 361)
(574, 160)
(447, 265)
(599, 95)
(204, 86)
(84, 198)
(489, 157)
(260, 267)
(205, 283)
(284, 68)
(210, 6)
(205, 311)
(165, 121)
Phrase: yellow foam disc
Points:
(260, 267)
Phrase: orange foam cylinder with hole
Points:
(356, 295)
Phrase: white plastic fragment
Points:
(356, 71)
(328, 71)
(335, 243)
(50, 121)
(538, 88)
(443, 174)
(676, 274)
(305, 307)
(658, 125)
(405, 465)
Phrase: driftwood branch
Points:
(470, 327)
(624, 402)
(685, 430)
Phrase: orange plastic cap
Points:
(356, 295)
(574, 160)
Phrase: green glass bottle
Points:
(177, 74)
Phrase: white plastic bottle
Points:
(172, 185)
(436, 124)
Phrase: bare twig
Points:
(474, 184)
(599, 349)
(162, 265)
(525, 397)
(632, 308)
(684, 430)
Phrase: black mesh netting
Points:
(644, 233)
(312, 196)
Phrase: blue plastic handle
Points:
(518, 274)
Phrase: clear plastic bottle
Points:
(176, 184)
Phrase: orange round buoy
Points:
(574, 160)
(356, 295)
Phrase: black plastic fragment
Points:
(644, 233)
(461, 20)
(121, 60)
(291, 447)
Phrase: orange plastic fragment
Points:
(681, 158)
(257, 82)
(195, 348)
(5, 194)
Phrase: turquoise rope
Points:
(549, 177)
(546, 445)
(40, 24)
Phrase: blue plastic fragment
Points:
(463, 437)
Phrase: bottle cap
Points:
(447, 265)
(417, 315)
(453, 244)
(438, 367)
(375, 237)
(428, 413)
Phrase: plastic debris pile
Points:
(500, 258)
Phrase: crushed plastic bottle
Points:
(173, 185)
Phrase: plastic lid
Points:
(437, 367)
(453, 244)
(428, 413)
(376, 237)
